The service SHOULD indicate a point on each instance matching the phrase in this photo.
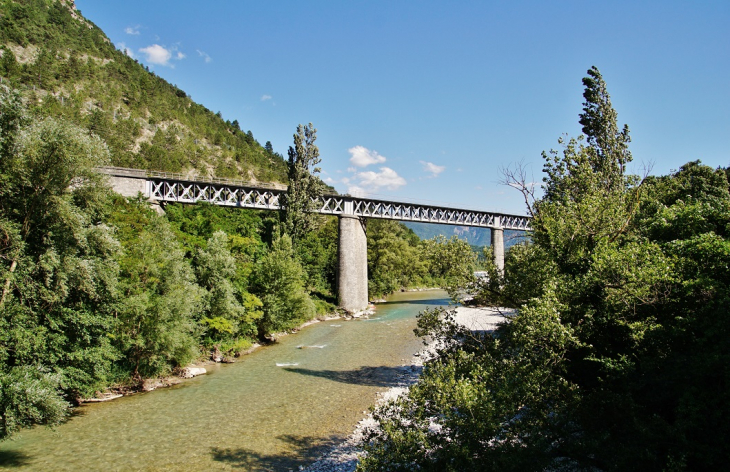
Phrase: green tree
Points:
(57, 265)
(304, 185)
(609, 147)
(451, 262)
(157, 329)
(317, 252)
(226, 316)
(394, 260)
(8, 64)
(28, 396)
(614, 359)
(279, 283)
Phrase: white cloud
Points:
(363, 157)
(205, 56)
(373, 181)
(356, 191)
(123, 47)
(157, 54)
(133, 30)
(266, 97)
(432, 168)
(161, 55)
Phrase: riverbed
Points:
(276, 409)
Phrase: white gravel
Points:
(344, 456)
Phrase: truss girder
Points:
(215, 194)
(182, 191)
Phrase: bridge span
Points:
(162, 187)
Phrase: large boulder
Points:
(190, 372)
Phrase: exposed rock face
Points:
(190, 372)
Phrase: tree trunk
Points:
(6, 287)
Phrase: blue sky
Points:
(427, 100)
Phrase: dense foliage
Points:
(397, 258)
(616, 358)
(100, 291)
(67, 68)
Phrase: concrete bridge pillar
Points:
(352, 273)
(498, 245)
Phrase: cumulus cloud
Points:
(266, 97)
(123, 47)
(363, 157)
(161, 55)
(204, 55)
(371, 181)
(157, 54)
(432, 168)
(133, 30)
(356, 191)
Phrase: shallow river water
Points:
(276, 409)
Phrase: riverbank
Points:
(199, 367)
(344, 456)
(278, 408)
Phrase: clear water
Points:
(276, 409)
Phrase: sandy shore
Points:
(344, 456)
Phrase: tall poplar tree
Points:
(304, 185)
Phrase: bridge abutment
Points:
(352, 273)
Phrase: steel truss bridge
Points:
(239, 195)
(352, 278)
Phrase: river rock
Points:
(216, 355)
(150, 384)
(190, 372)
(101, 397)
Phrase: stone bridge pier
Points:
(497, 233)
(352, 268)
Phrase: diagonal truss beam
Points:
(242, 196)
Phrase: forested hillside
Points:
(66, 67)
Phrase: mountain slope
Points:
(65, 66)
(473, 235)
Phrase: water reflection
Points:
(298, 450)
(430, 301)
(13, 459)
(381, 376)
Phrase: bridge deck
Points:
(175, 188)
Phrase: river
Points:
(276, 409)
